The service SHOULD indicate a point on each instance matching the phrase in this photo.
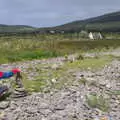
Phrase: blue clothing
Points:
(7, 75)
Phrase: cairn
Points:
(19, 91)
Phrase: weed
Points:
(83, 81)
(96, 101)
(80, 57)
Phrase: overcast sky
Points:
(44, 13)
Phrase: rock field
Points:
(68, 103)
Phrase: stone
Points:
(4, 104)
(59, 107)
(108, 85)
(20, 89)
(17, 94)
(2, 115)
(44, 118)
(54, 80)
(55, 67)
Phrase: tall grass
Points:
(17, 48)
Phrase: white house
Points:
(52, 31)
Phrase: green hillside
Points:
(108, 23)
(15, 28)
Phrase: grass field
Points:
(15, 48)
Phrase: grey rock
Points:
(4, 104)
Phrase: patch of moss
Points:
(96, 101)
(92, 63)
(115, 92)
(83, 81)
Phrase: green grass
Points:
(96, 101)
(92, 63)
(90, 45)
(115, 92)
(30, 55)
(33, 85)
(16, 48)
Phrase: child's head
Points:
(16, 70)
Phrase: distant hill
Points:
(15, 28)
(106, 23)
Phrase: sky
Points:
(47, 13)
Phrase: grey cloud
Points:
(42, 13)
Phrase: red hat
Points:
(15, 70)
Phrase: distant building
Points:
(52, 31)
(83, 32)
(95, 36)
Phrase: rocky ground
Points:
(71, 102)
